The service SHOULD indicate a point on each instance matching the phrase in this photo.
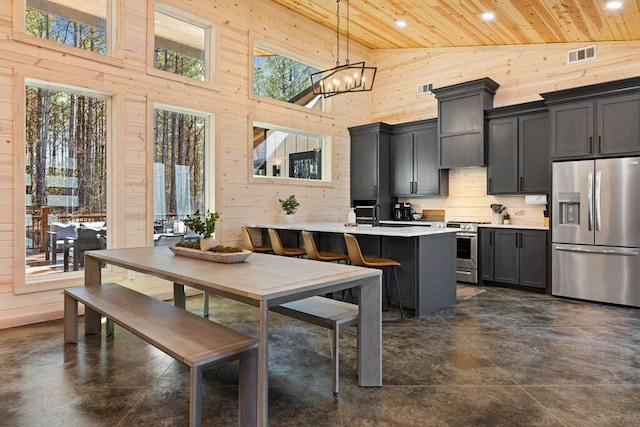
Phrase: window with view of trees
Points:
(71, 23)
(66, 167)
(278, 77)
(180, 43)
(179, 164)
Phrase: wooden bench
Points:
(198, 343)
(328, 313)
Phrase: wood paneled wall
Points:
(523, 72)
(133, 91)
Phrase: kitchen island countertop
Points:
(520, 226)
(333, 227)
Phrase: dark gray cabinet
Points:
(461, 124)
(514, 256)
(596, 120)
(370, 167)
(518, 150)
(414, 161)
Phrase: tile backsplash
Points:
(468, 200)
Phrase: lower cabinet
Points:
(514, 256)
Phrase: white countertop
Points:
(411, 223)
(520, 226)
(332, 227)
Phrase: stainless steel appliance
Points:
(596, 230)
(406, 211)
(397, 211)
(467, 250)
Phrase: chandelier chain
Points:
(347, 61)
(338, 32)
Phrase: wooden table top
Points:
(260, 277)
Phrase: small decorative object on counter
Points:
(289, 206)
(506, 219)
(351, 217)
(205, 228)
(497, 213)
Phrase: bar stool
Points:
(312, 250)
(248, 242)
(355, 255)
(278, 249)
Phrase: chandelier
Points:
(343, 78)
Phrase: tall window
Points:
(180, 43)
(81, 24)
(66, 173)
(278, 77)
(179, 164)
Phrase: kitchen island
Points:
(427, 276)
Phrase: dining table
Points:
(263, 281)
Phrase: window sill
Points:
(289, 181)
(207, 84)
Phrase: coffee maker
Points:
(398, 211)
(406, 211)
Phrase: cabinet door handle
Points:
(590, 145)
(520, 240)
(375, 191)
(517, 239)
(599, 143)
(415, 187)
(490, 184)
(521, 183)
(491, 238)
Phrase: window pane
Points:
(279, 77)
(287, 153)
(179, 47)
(179, 157)
(69, 22)
(66, 176)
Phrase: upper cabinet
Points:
(414, 161)
(596, 120)
(518, 149)
(461, 124)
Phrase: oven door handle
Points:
(467, 236)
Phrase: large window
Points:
(278, 77)
(280, 152)
(66, 175)
(81, 24)
(179, 164)
(180, 43)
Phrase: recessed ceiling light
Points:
(614, 5)
(401, 23)
(488, 16)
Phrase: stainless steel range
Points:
(467, 250)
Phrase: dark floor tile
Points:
(588, 406)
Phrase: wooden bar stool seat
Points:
(313, 253)
(248, 242)
(279, 249)
(356, 257)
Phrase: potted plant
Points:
(204, 227)
(289, 206)
(506, 219)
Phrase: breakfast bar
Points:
(427, 274)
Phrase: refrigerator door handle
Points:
(590, 199)
(598, 201)
(624, 252)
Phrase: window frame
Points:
(22, 284)
(291, 53)
(326, 164)
(115, 51)
(210, 170)
(210, 47)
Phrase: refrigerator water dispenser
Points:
(569, 208)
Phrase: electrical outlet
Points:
(131, 274)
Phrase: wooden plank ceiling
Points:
(455, 23)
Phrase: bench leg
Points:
(179, 299)
(205, 295)
(70, 319)
(248, 389)
(336, 359)
(195, 396)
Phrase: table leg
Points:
(179, 297)
(263, 366)
(370, 333)
(92, 277)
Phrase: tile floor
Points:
(500, 358)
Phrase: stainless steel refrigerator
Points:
(596, 230)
